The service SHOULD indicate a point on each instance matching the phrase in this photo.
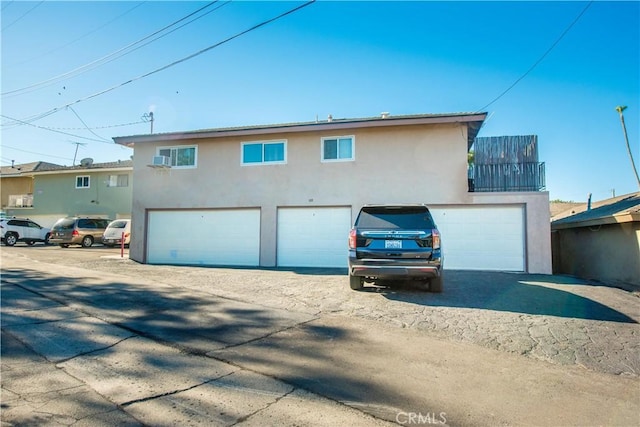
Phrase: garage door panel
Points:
(207, 237)
(482, 237)
(313, 237)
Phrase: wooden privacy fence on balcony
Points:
(528, 176)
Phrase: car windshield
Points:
(118, 224)
(395, 218)
(64, 224)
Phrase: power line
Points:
(56, 131)
(82, 36)
(101, 127)
(107, 58)
(200, 52)
(6, 4)
(544, 55)
(86, 126)
(33, 152)
(23, 15)
(16, 123)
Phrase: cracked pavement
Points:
(558, 319)
(86, 338)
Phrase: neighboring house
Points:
(599, 242)
(47, 192)
(286, 195)
(17, 183)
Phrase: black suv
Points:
(391, 242)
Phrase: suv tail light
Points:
(75, 233)
(435, 235)
(352, 239)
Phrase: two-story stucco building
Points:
(46, 192)
(286, 195)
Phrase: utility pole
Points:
(620, 109)
(148, 117)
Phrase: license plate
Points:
(393, 244)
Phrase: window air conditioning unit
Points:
(161, 161)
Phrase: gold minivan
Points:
(78, 231)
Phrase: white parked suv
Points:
(13, 230)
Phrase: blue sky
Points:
(348, 59)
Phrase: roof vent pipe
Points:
(384, 115)
(329, 118)
(589, 202)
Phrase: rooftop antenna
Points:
(76, 153)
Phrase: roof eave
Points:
(476, 118)
(76, 171)
(619, 218)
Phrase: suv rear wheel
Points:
(87, 241)
(436, 283)
(356, 282)
(10, 239)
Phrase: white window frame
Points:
(82, 187)
(176, 148)
(263, 143)
(353, 149)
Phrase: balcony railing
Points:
(507, 177)
(20, 200)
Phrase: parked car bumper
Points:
(114, 241)
(65, 241)
(377, 268)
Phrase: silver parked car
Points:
(113, 234)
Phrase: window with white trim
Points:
(338, 149)
(264, 152)
(183, 156)
(83, 181)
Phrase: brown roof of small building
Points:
(36, 167)
(28, 167)
(619, 209)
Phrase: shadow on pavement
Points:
(192, 321)
(512, 292)
(42, 309)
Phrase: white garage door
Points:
(482, 237)
(313, 237)
(206, 237)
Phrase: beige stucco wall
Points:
(408, 164)
(13, 186)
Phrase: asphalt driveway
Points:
(374, 351)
